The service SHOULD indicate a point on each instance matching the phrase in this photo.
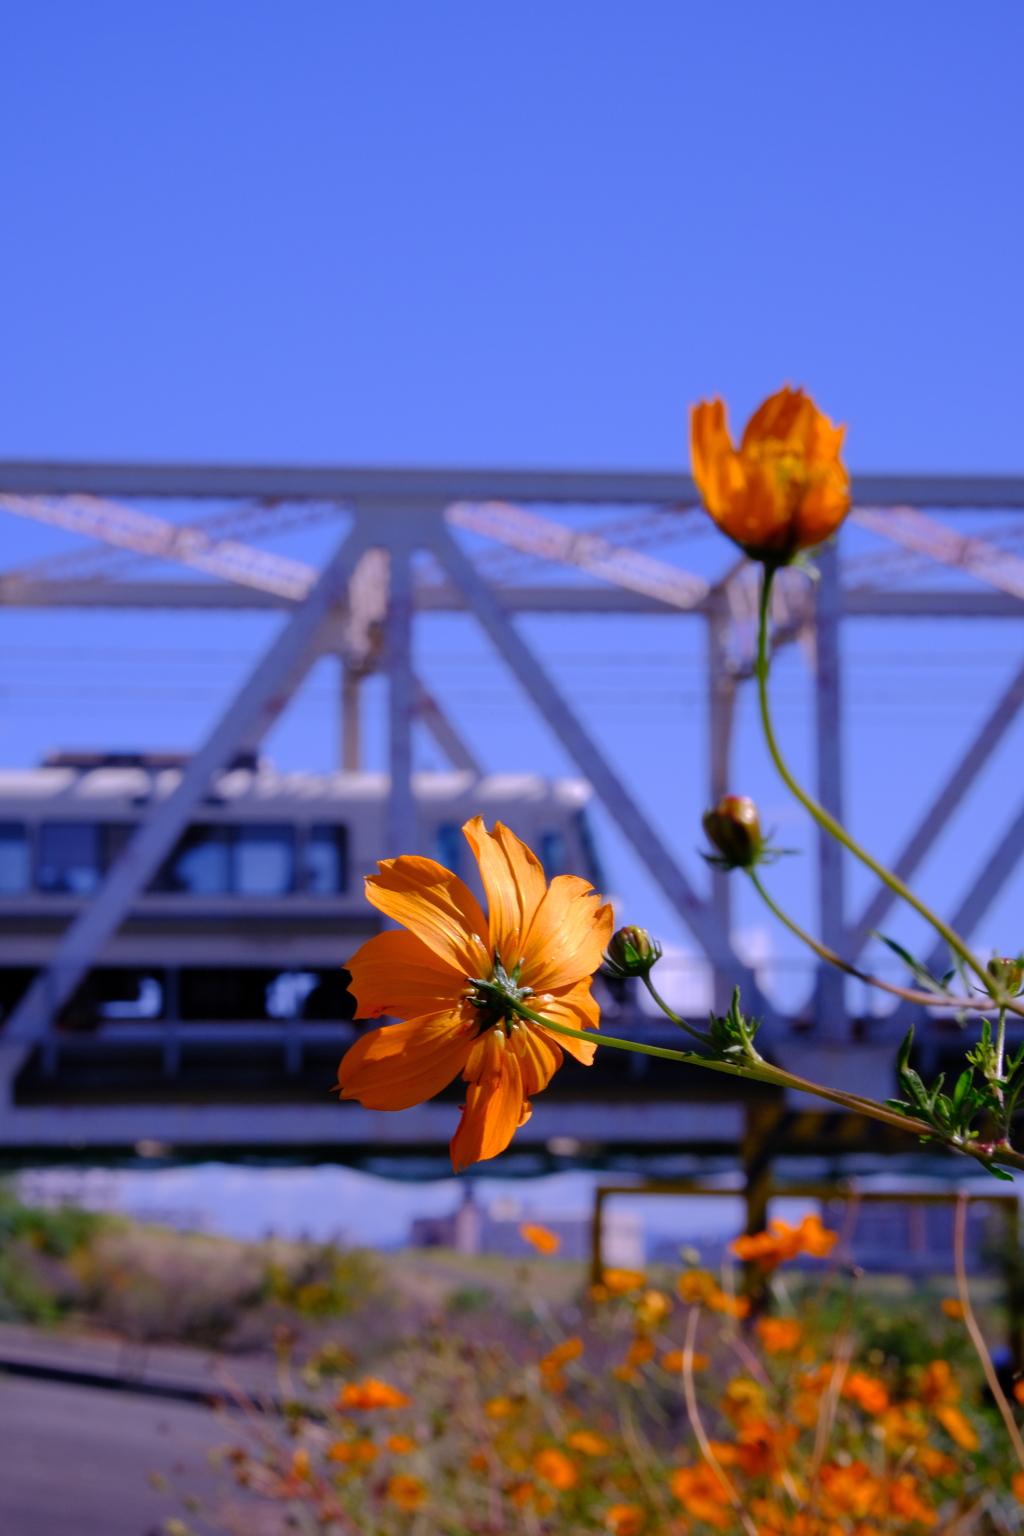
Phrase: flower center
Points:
(494, 996)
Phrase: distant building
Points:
(472, 1229)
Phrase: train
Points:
(253, 915)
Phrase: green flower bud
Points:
(733, 828)
(631, 952)
(1008, 974)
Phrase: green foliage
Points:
(37, 1281)
(322, 1280)
(470, 1298)
(731, 1037)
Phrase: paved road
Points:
(74, 1460)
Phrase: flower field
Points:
(648, 1404)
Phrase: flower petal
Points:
(493, 1112)
(395, 973)
(576, 1007)
(717, 467)
(568, 936)
(434, 904)
(539, 1056)
(405, 1064)
(514, 881)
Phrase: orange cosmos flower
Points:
(624, 1519)
(586, 1441)
(539, 1237)
(785, 488)
(782, 1242)
(556, 1468)
(779, 1335)
(371, 1393)
(867, 1392)
(407, 1492)
(451, 980)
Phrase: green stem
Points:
(670, 1013)
(929, 999)
(823, 817)
(763, 1072)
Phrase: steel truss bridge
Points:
(361, 607)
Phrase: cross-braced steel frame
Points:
(406, 511)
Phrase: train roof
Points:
(69, 788)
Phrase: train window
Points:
(70, 856)
(199, 864)
(448, 846)
(14, 862)
(552, 854)
(114, 838)
(264, 860)
(327, 860)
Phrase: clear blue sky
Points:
(516, 233)
(520, 234)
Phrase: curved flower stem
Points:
(764, 1072)
(689, 1391)
(827, 821)
(930, 999)
(977, 1337)
(670, 1013)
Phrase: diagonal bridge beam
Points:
(253, 710)
(940, 811)
(698, 915)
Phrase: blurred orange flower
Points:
(569, 1349)
(556, 1468)
(867, 1392)
(621, 1281)
(957, 1426)
(784, 488)
(624, 1519)
(400, 1444)
(782, 1242)
(407, 1492)
(698, 1285)
(1017, 1487)
(586, 1441)
(640, 1351)
(673, 1361)
(542, 942)
(934, 1462)
(936, 1384)
(652, 1307)
(952, 1307)
(539, 1237)
(352, 1450)
(702, 1493)
(370, 1393)
(779, 1335)
(551, 1365)
(499, 1408)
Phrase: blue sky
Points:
(515, 234)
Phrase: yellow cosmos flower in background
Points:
(453, 975)
(784, 488)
